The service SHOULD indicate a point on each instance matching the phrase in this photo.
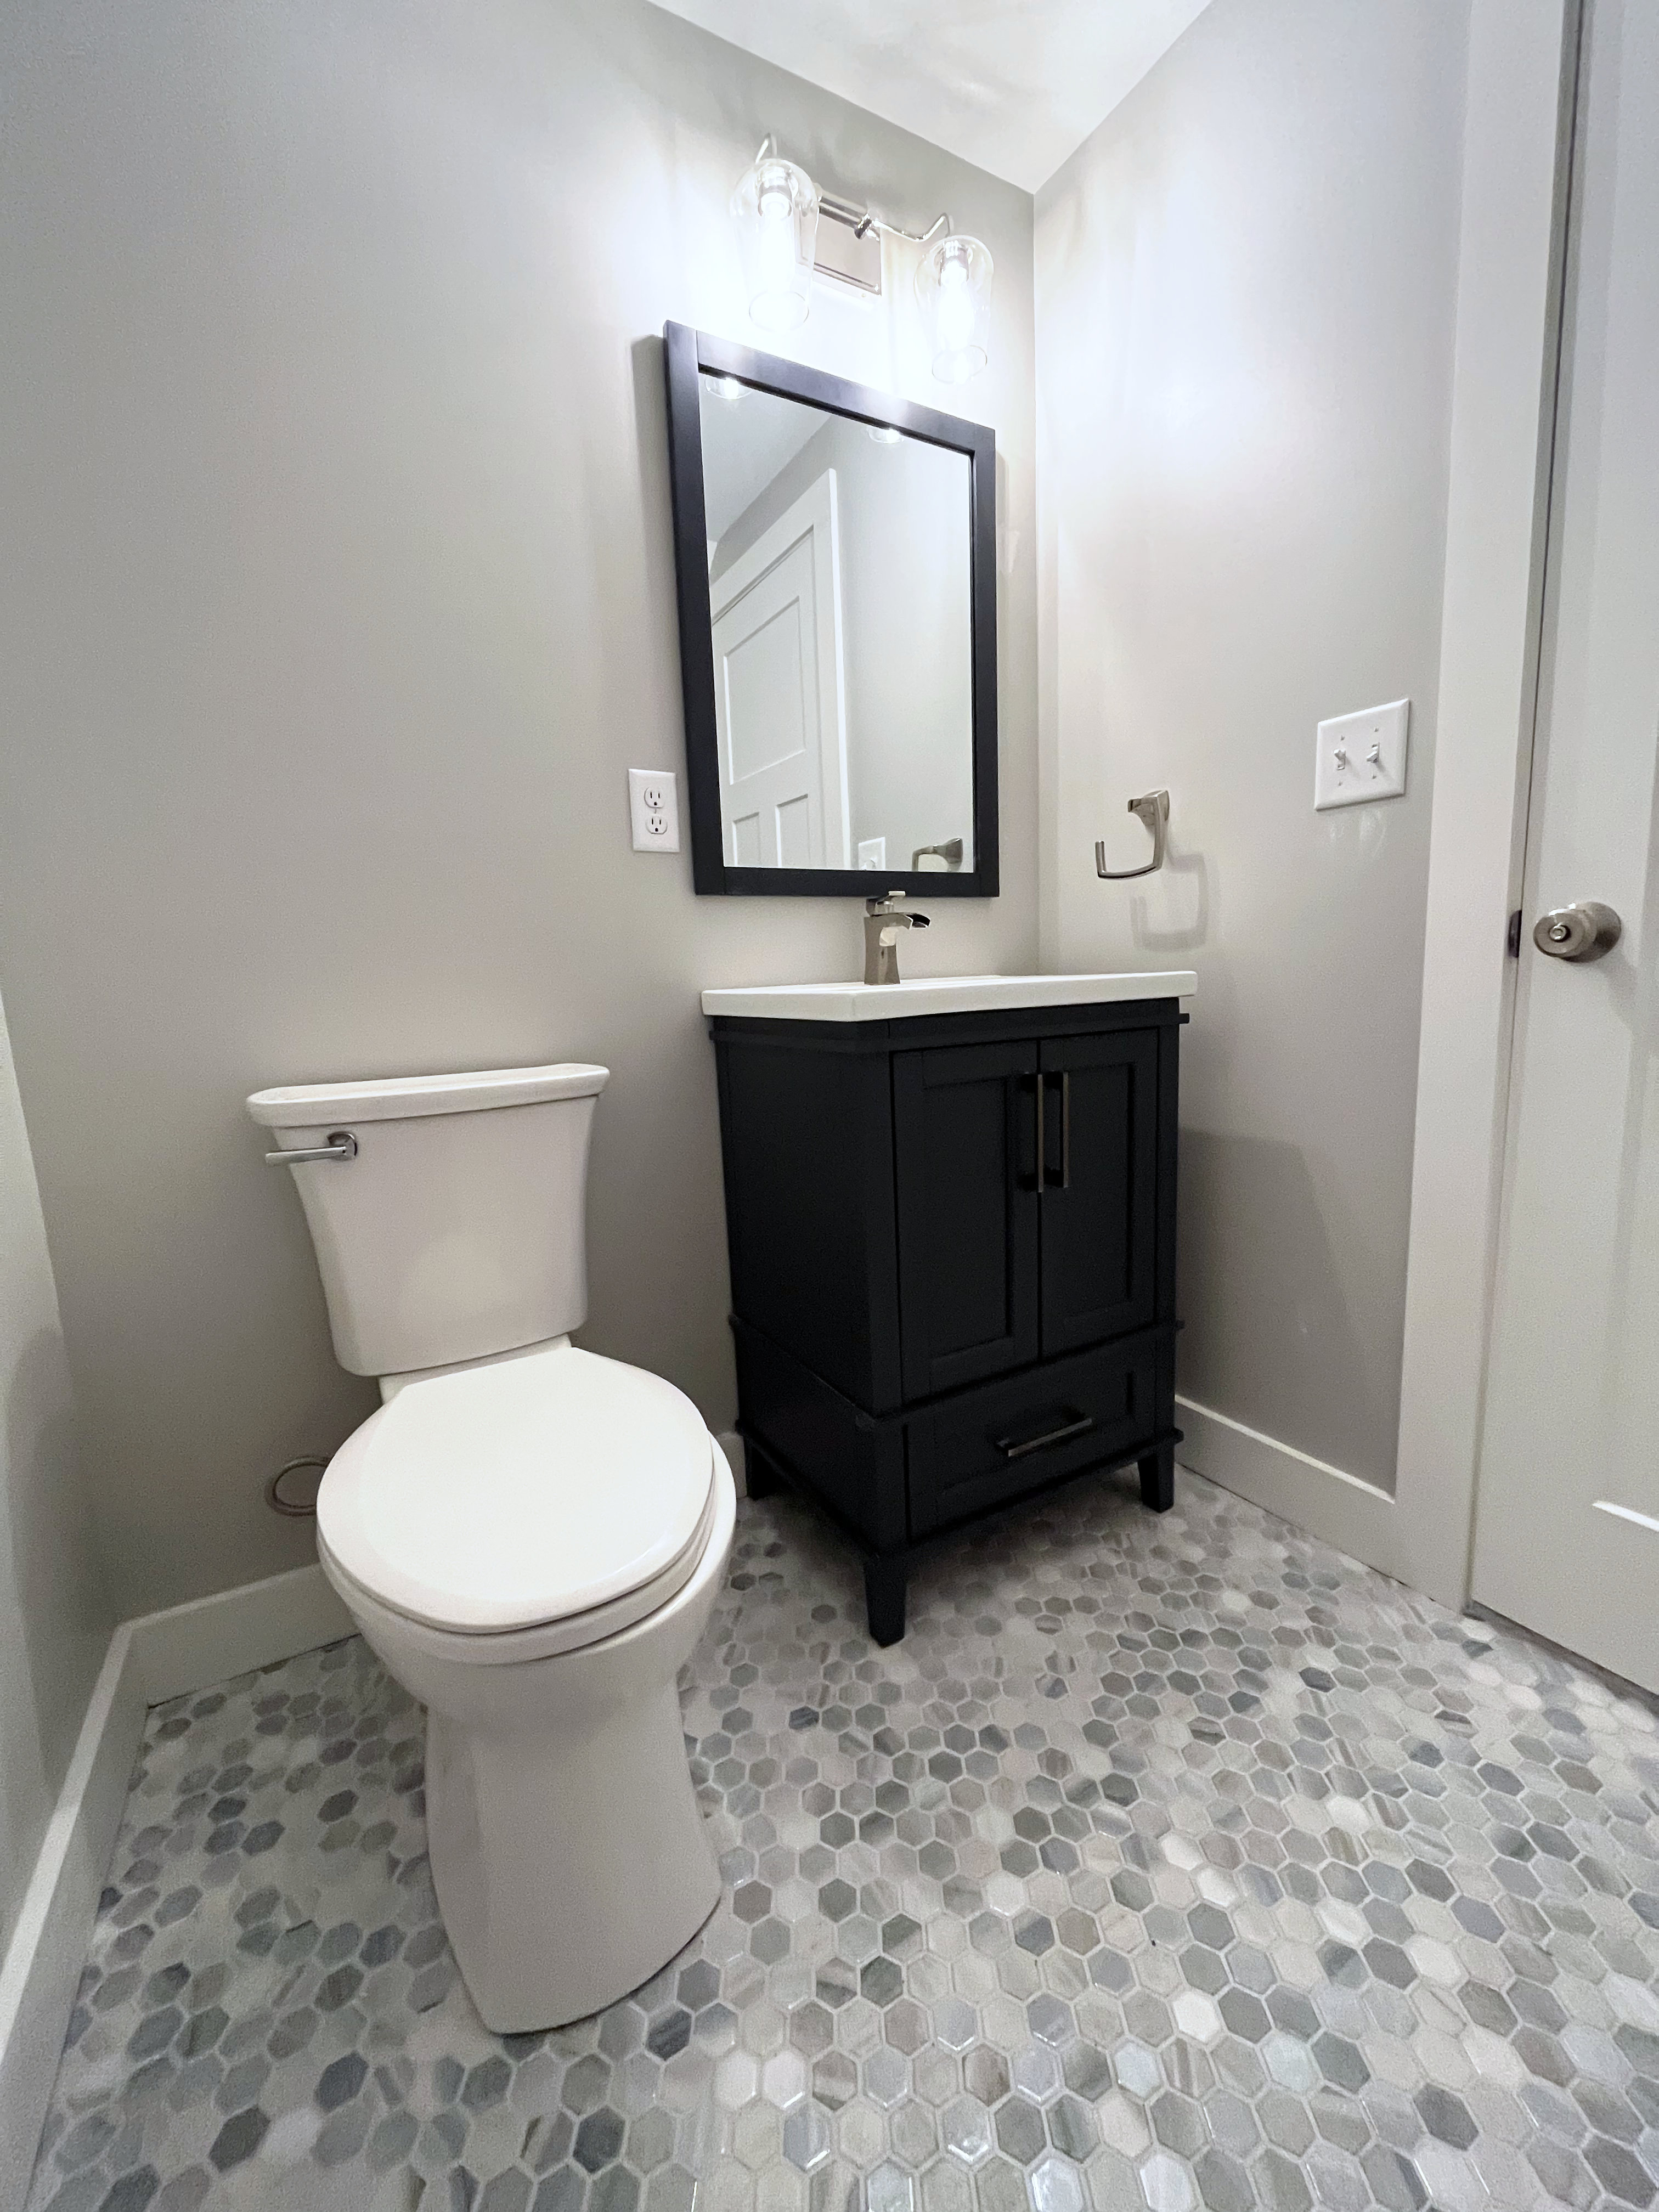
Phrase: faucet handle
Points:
(893, 902)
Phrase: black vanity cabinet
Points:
(952, 1248)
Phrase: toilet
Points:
(531, 1537)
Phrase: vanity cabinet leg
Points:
(760, 1477)
(1157, 1478)
(884, 1598)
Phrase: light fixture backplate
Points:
(849, 250)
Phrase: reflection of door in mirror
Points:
(840, 586)
(779, 694)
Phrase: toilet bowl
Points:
(531, 1538)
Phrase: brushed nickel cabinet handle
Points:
(1011, 1448)
(1063, 1180)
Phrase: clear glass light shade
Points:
(777, 209)
(953, 290)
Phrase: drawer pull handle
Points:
(1013, 1447)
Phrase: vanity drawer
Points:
(984, 1447)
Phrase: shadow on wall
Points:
(648, 365)
(1186, 899)
(55, 1622)
(1269, 1338)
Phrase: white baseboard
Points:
(191, 1646)
(731, 1444)
(149, 1660)
(42, 1967)
(1339, 1508)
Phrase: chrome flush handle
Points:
(341, 1146)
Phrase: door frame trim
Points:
(1519, 112)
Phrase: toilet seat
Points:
(545, 1501)
(384, 1625)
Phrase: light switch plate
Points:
(873, 853)
(654, 808)
(1362, 757)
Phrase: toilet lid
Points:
(506, 1496)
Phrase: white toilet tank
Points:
(458, 1229)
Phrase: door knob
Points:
(1583, 931)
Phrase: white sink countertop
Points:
(940, 995)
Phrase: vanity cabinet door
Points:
(1100, 1186)
(964, 1126)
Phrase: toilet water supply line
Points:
(294, 1509)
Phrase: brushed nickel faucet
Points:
(883, 918)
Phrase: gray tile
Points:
(1168, 1863)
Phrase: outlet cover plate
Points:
(1345, 773)
(654, 810)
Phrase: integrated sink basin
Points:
(939, 994)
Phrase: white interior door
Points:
(1567, 1523)
(779, 700)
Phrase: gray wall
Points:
(54, 1617)
(1245, 291)
(339, 598)
(905, 518)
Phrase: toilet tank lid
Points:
(400, 1098)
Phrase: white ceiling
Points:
(1013, 86)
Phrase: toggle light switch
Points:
(1361, 756)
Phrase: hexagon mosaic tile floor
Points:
(1166, 1863)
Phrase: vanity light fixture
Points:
(953, 290)
(790, 231)
(777, 213)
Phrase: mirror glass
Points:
(840, 594)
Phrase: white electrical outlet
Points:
(1362, 757)
(654, 808)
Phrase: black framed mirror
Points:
(835, 555)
